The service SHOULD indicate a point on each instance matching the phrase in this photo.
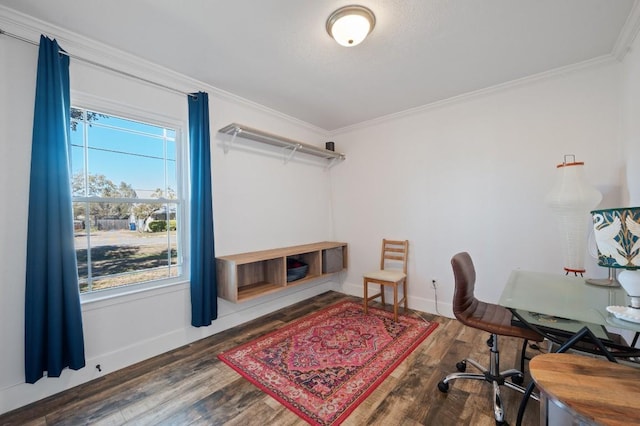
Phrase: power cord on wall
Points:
(435, 294)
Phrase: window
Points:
(127, 203)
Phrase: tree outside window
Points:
(127, 210)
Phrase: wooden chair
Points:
(392, 273)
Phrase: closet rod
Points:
(88, 61)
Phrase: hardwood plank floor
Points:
(190, 386)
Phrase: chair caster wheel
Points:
(518, 380)
(461, 366)
(443, 387)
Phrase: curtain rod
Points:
(88, 61)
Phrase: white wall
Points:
(631, 123)
(259, 203)
(466, 175)
(472, 175)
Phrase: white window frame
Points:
(88, 102)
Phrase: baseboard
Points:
(21, 394)
(418, 303)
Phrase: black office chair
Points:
(494, 319)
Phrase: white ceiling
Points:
(277, 52)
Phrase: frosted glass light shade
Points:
(571, 199)
(350, 25)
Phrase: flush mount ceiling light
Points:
(350, 25)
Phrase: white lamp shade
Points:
(571, 199)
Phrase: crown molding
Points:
(621, 47)
(30, 28)
(628, 33)
(520, 82)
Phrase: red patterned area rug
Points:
(324, 365)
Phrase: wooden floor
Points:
(190, 386)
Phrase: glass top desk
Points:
(569, 298)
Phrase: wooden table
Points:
(594, 391)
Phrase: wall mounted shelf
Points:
(245, 276)
(239, 130)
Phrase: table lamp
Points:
(571, 198)
(617, 235)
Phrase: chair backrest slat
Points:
(395, 250)
(400, 258)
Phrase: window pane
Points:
(121, 140)
(77, 158)
(171, 150)
(172, 182)
(110, 120)
(143, 174)
(131, 278)
(122, 251)
(77, 171)
(121, 156)
(81, 240)
(124, 241)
